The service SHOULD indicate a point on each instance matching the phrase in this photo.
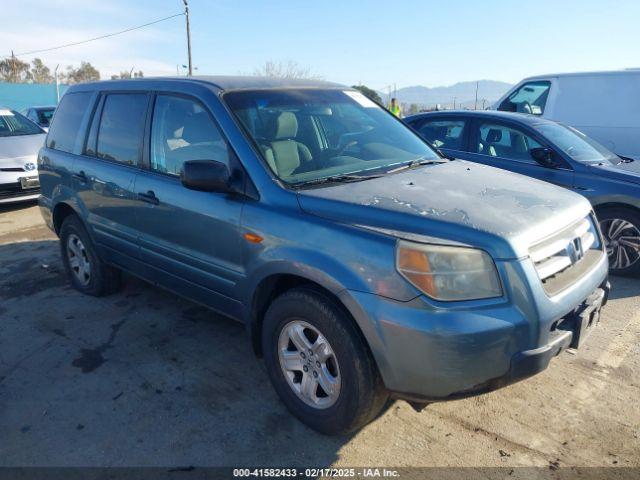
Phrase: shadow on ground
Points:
(17, 206)
(624, 287)
(138, 378)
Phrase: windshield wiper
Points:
(417, 163)
(347, 178)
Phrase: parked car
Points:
(363, 264)
(603, 105)
(555, 153)
(40, 115)
(20, 141)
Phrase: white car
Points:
(20, 141)
(40, 115)
(603, 105)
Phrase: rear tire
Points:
(355, 393)
(621, 230)
(87, 272)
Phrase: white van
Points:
(603, 105)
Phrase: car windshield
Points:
(305, 135)
(576, 144)
(45, 116)
(13, 124)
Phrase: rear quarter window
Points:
(65, 127)
(121, 127)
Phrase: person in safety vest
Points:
(395, 108)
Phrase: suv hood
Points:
(453, 202)
(21, 145)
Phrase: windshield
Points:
(45, 116)
(576, 144)
(13, 124)
(310, 134)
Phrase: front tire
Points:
(86, 271)
(318, 363)
(621, 231)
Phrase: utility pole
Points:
(55, 74)
(186, 14)
(454, 103)
(13, 67)
(475, 105)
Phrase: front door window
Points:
(497, 140)
(529, 98)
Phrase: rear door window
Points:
(121, 127)
(65, 128)
(529, 98)
(446, 134)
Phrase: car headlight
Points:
(448, 273)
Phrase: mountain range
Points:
(464, 94)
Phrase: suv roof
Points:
(516, 117)
(221, 82)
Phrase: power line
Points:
(95, 38)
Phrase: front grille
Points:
(13, 169)
(566, 256)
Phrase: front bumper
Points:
(14, 192)
(428, 352)
(569, 332)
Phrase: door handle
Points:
(80, 177)
(149, 197)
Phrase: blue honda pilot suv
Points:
(364, 265)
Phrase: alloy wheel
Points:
(622, 240)
(78, 259)
(309, 364)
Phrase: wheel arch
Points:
(614, 204)
(61, 211)
(274, 285)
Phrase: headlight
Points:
(448, 273)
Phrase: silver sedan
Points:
(20, 141)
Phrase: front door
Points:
(190, 238)
(509, 147)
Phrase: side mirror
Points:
(544, 156)
(207, 176)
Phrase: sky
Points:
(376, 43)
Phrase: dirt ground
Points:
(148, 379)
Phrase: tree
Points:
(40, 73)
(13, 70)
(84, 73)
(127, 74)
(290, 69)
(369, 93)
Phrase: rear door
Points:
(448, 134)
(104, 176)
(190, 238)
(65, 141)
(508, 146)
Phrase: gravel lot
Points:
(145, 378)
